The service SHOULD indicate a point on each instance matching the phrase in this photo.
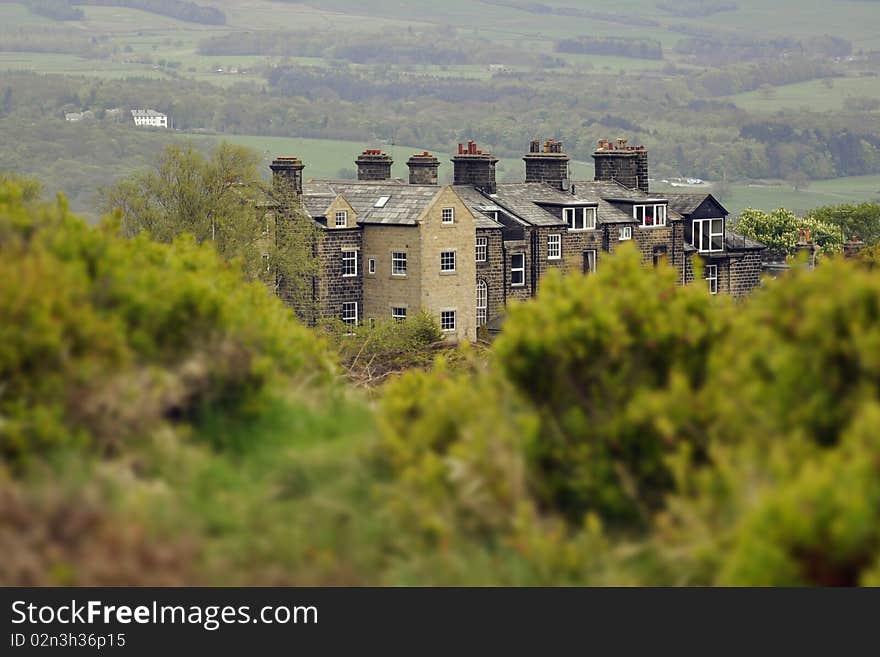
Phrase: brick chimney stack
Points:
(373, 164)
(287, 177)
(423, 169)
(547, 163)
(472, 166)
(628, 165)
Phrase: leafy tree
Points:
(782, 229)
(860, 220)
(219, 199)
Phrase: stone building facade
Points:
(462, 252)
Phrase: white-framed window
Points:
(625, 233)
(371, 265)
(350, 312)
(266, 262)
(349, 263)
(650, 215)
(341, 218)
(712, 278)
(398, 313)
(482, 302)
(447, 261)
(708, 235)
(482, 249)
(447, 320)
(580, 218)
(518, 269)
(448, 215)
(554, 247)
(398, 263)
(381, 201)
(590, 261)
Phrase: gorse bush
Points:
(102, 336)
(684, 439)
(157, 408)
(597, 356)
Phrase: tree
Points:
(799, 181)
(782, 229)
(855, 220)
(220, 199)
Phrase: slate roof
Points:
(404, 206)
(685, 204)
(612, 192)
(737, 242)
(478, 204)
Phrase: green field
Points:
(324, 158)
(815, 95)
(770, 195)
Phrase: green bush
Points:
(101, 336)
(611, 362)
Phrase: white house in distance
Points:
(149, 118)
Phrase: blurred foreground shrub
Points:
(101, 337)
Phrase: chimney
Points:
(373, 164)
(547, 163)
(423, 169)
(627, 165)
(853, 247)
(287, 179)
(472, 166)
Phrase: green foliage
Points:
(622, 430)
(782, 230)
(860, 220)
(372, 352)
(102, 337)
(596, 355)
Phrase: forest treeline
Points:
(613, 46)
(439, 47)
(168, 422)
(184, 10)
(686, 131)
(697, 8)
(717, 48)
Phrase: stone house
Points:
(389, 248)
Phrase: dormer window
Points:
(341, 218)
(580, 218)
(708, 235)
(650, 215)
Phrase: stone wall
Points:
(511, 248)
(574, 243)
(492, 271)
(382, 291)
(332, 288)
(745, 273)
(450, 290)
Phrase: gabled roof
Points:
(403, 207)
(479, 205)
(688, 204)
